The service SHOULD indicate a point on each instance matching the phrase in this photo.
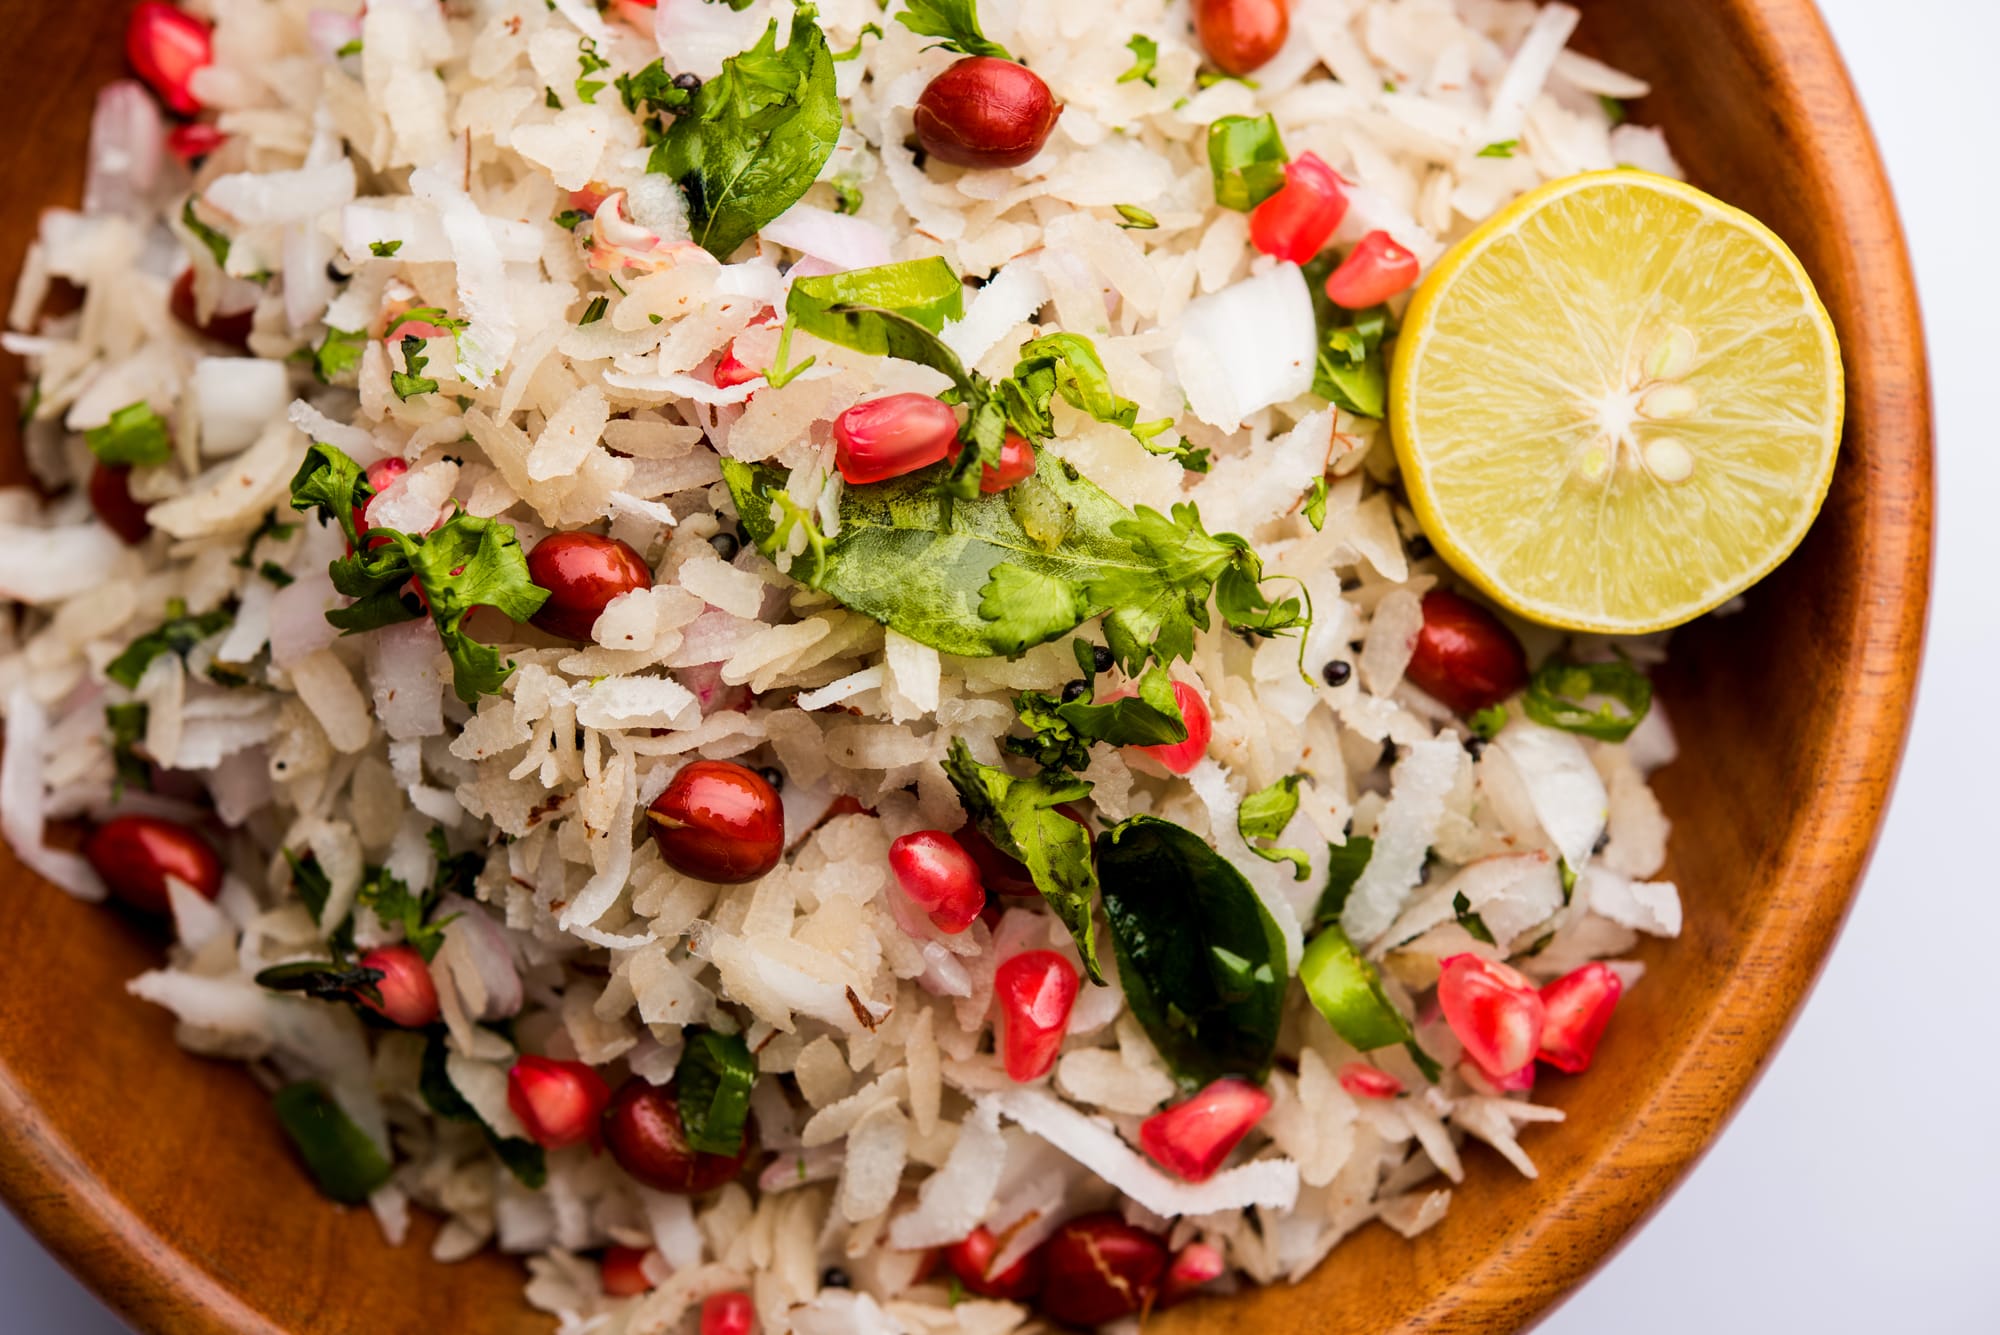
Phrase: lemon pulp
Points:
(1617, 403)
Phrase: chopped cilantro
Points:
(854, 51)
(589, 63)
(550, 100)
(338, 354)
(384, 249)
(595, 310)
(275, 573)
(569, 218)
(1136, 218)
(135, 435)
(178, 634)
(1504, 149)
(1474, 925)
(1315, 506)
(126, 726)
(846, 194)
(1265, 814)
(956, 22)
(1145, 55)
(1560, 692)
(218, 243)
(351, 48)
(410, 381)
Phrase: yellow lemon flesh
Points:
(1617, 403)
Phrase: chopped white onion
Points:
(237, 397)
(840, 239)
(47, 565)
(127, 140)
(24, 801)
(1249, 346)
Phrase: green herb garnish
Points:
(1559, 692)
(1136, 218)
(956, 22)
(714, 1079)
(1145, 56)
(1504, 149)
(134, 435)
(1247, 159)
(1061, 735)
(178, 634)
(125, 725)
(1265, 814)
(338, 354)
(347, 1165)
(382, 250)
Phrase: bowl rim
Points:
(139, 1272)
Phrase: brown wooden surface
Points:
(162, 1180)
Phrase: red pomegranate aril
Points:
(583, 572)
(136, 854)
(190, 143)
(730, 372)
(232, 329)
(1374, 271)
(622, 1272)
(1494, 1011)
(878, 439)
(1099, 1268)
(1193, 1266)
(1192, 1138)
(559, 1102)
(381, 475)
(971, 1257)
(728, 1314)
(1035, 991)
(1240, 35)
(1520, 1082)
(1017, 464)
(1294, 224)
(166, 47)
(939, 877)
(1180, 757)
(409, 993)
(1578, 1006)
(111, 497)
(1369, 1082)
(986, 112)
(1000, 873)
(643, 1130)
(1464, 656)
(719, 821)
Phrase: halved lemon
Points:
(1617, 403)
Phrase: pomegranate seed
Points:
(382, 475)
(1294, 223)
(1579, 1005)
(1017, 464)
(193, 142)
(111, 497)
(1191, 1139)
(719, 821)
(644, 1131)
(583, 572)
(728, 1314)
(409, 993)
(971, 1258)
(1369, 1082)
(233, 328)
(166, 47)
(986, 112)
(1520, 1082)
(940, 878)
(1101, 1268)
(1180, 757)
(1374, 271)
(1193, 1266)
(136, 854)
(887, 437)
(622, 1272)
(1240, 35)
(558, 1102)
(1493, 1010)
(1035, 991)
(730, 372)
(1464, 656)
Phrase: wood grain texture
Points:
(162, 1180)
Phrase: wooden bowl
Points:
(162, 1179)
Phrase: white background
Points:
(1854, 1192)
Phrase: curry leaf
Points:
(347, 1165)
(1344, 865)
(324, 980)
(1200, 958)
(756, 135)
(714, 1079)
(926, 291)
(1265, 814)
(1019, 817)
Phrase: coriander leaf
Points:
(1351, 371)
(1156, 608)
(348, 48)
(1504, 149)
(847, 195)
(178, 634)
(524, 1159)
(1346, 989)
(218, 242)
(134, 435)
(333, 485)
(1019, 817)
(1560, 692)
(713, 1079)
(384, 249)
(338, 354)
(275, 574)
(737, 5)
(589, 63)
(273, 528)
(1265, 814)
(347, 1165)
(1247, 160)
(410, 381)
(1136, 218)
(1145, 55)
(569, 218)
(956, 21)
(1474, 925)
(1065, 364)
(1315, 507)
(1344, 865)
(1025, 607)
(125, 725)
(756, 135)
(1486, 723)
(397, 906)
(1201, 961)
(1064, 733)
(430, 315)
(323, 980)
